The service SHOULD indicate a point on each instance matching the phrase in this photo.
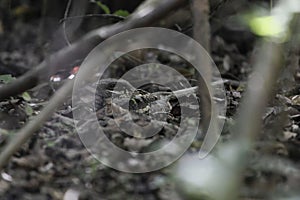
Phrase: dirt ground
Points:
(54, 164)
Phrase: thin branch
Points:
(64, 23)
(201, 33)
(91, 15)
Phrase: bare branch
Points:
(202, 35)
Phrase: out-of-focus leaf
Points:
(103, 7)
(3, 132)
(26, 96)
(28, 110)
(122, 13)
(6, 78)
(21, 10)
(266, 26)
(276, 24)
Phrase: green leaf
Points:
(122, 13)
(3, 132)
(50, 144)
(26, 96)
(266, 26)
(28, 110)
(103, 7)
(6, 78)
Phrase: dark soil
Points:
(54, 164)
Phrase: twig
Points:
(64, 23)
(201, 33)
(233, 82)
(91, 15)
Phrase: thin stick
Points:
(201, 33)
(64, 22)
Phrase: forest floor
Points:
(54, 164)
